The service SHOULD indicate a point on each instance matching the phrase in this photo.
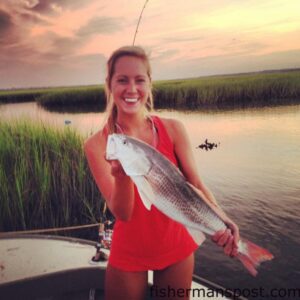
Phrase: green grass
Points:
(215, 92)
(58, 96)
(21, 95)
(89, 98)
(44, 179)
(236, 91)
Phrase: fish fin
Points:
(252, 255)
(144, 189)
(197, 235)
(248, 264)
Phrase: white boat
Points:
(47, 267)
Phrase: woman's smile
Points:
(131, 100)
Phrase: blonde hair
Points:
(133, 51)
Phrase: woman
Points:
(144, 240)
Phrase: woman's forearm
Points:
(206, 192)
(209, 195)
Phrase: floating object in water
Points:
(208, 146)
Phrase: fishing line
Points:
(138, 23)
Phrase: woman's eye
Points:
(121, 80)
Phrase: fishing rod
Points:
(138, 23)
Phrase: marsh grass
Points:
(222, 92)
(21, 95)
(31, 94)
(91, 98)
(44, 179)
(215, 92)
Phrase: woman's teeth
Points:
(131, 100)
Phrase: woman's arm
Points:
(185, 157)
(115, 186)
(187, 164)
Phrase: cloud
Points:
(5, 21)
(100, 25)
(32, 18)
(52, 7)
(8, 30)
(52, 42)
(20, 48)
(78, 70)
(15, 23)
(158, 55)
(229, 64)
(46, 6)
(182, 39)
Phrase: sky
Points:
(47, 43)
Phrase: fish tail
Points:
(252, 256)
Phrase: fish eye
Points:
(124, 142)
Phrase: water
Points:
(254, 174)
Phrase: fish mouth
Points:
(111, 148)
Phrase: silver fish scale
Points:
(173, 195)
(178, 200)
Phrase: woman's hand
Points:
(122, 189)
(228, 239)
(116, 169)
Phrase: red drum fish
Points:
(160, 183)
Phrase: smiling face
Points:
(130, 84)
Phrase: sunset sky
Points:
(66, 42)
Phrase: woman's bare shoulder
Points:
(96, 142)
(174, 127)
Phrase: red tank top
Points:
(150, 240)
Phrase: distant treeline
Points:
(214, 92)
(44, 179)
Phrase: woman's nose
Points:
(132, 87)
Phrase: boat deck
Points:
(59, 268)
